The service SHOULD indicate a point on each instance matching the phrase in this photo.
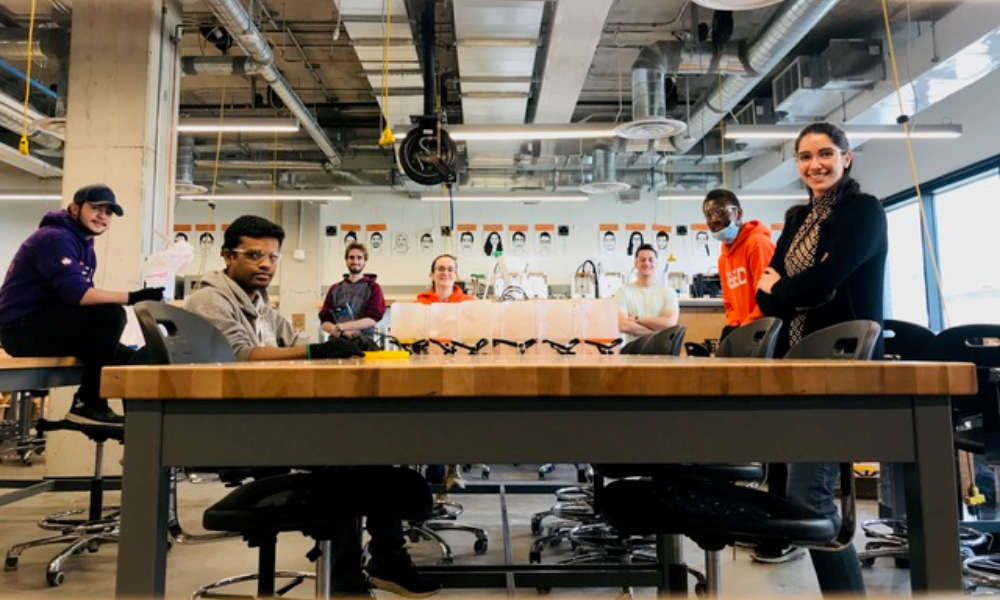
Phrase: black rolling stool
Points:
(442, 517)
(79, 529)
(715, 514)
(16, 437)
(317, 504)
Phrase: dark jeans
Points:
(385, 496)
(812, 485)
(90, 333)
(777, 484)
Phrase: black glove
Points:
(335, 347)
(154, 294)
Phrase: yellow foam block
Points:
(387, 355)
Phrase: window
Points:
(906, 298)
(967, 214)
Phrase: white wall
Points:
(303, 283)
(414, 217)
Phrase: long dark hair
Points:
(846, 185)
(488, 247)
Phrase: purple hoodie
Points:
(53, 268)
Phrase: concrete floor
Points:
(190, 566)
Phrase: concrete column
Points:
(124, 75)
(122, 104)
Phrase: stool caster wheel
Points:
(480, 546)
(700, 590)
(10, 564)
(867, 562)
(56, 579)
(485, 473)
(536, 527)
(543, 591)
(535, 557)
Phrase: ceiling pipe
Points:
(220, 65)
(790, 23)
(47, 44)
(665, 59)
(12, 118)
(254, 44)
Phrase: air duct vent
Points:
(851, 64)
(604, 181)
(758, 111)
(650, 128)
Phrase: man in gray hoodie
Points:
(235, 301)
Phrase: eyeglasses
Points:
(444, 269)
(258, 256)
(824, 155)
(718, 213)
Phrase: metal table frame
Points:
(915, 430)
(21, 375)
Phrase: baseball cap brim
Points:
(115, 207)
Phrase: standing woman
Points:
(828, 268)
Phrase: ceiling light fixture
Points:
(741, 194)
(278, 196)
(532, 131)
(30, 196)
(870, 132)
(506, 197)
(735, 4)
(238, 124)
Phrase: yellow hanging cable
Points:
(722, 132)
(22, 146)
(913, 165)
(387, 138)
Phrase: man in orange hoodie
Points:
(746, 251)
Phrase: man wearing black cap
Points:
(50, 307)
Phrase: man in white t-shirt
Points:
(646, 306)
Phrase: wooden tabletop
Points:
(537, 375)
(54, 362)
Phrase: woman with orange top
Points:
(444, 274)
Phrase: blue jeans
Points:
(812, 485)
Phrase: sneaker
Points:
(772, 557)
(400, 577)
(453, 478)
(87, 414)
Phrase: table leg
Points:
(142, 552)
(931, 506)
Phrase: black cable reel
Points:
(428, 155)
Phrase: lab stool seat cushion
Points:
(714, 515)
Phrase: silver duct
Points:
(267, 165)
(787, 27)
(671, 58)
(249, 38)
(604, 163)
(185, 159)
(12, 118)
(219, 65)
(184, 183)
(47, 44)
